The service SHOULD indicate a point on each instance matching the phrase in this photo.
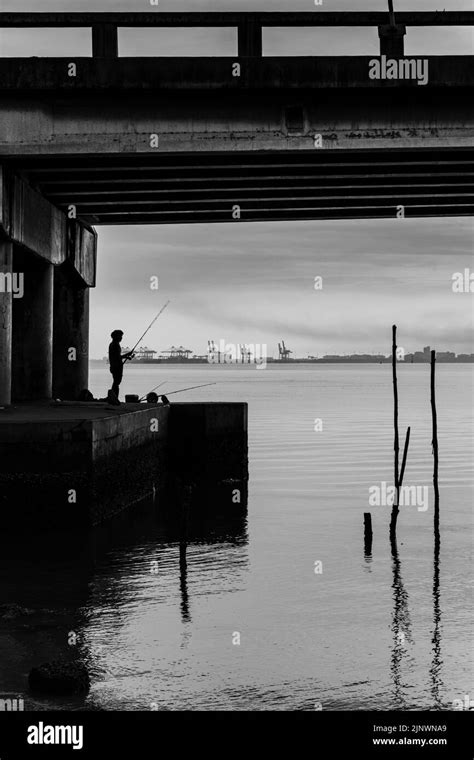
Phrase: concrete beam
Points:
(6, 296)
(5, 201)
(82, 251)
(28, 219)
(235, 122)
(36, 224)
(53, 75)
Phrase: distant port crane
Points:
(283, 352)
(212, 351)
(177, 352)
(246, 354)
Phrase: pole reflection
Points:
(436, 662)
(401, 629)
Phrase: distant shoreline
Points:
(343, 360)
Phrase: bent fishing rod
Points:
(149, 327)
(192, 388)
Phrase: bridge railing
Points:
(249, 26)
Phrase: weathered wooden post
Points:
(434, 443)
(396, 441)
(398, 474)
(367, 534)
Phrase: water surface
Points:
(365, 633)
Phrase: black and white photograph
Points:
(236, 375)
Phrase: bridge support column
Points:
(104, 41)
(32, 329)
(70, 334)
(250, 39)
(6, 264)
(392, 40)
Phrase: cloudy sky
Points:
(254, 283)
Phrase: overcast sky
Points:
(254, 283)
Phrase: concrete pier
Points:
(70, 334)
(32, 329)
(75, 466)
(208, 441)
(50, 261)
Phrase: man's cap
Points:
(116, 333)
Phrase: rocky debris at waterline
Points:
(59, 677)
(11, 611)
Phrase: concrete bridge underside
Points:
(110, 140)
(192, 156)
(144, 189)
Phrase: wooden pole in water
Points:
(434, 443)
(404, 458)
(396, 442)
(368, 535)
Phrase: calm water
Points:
(362, 634)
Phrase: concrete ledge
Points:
(208, 441)
(77, 465)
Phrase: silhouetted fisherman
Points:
(117, 360)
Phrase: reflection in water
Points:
(44, 589)
(183, 583)
(436, 662)
(401, 628)
(102, 590)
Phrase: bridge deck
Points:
(239, 146)
(52, 75)
(315, 17)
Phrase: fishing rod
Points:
(153, 389)
(193, 387)
(149, 327)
